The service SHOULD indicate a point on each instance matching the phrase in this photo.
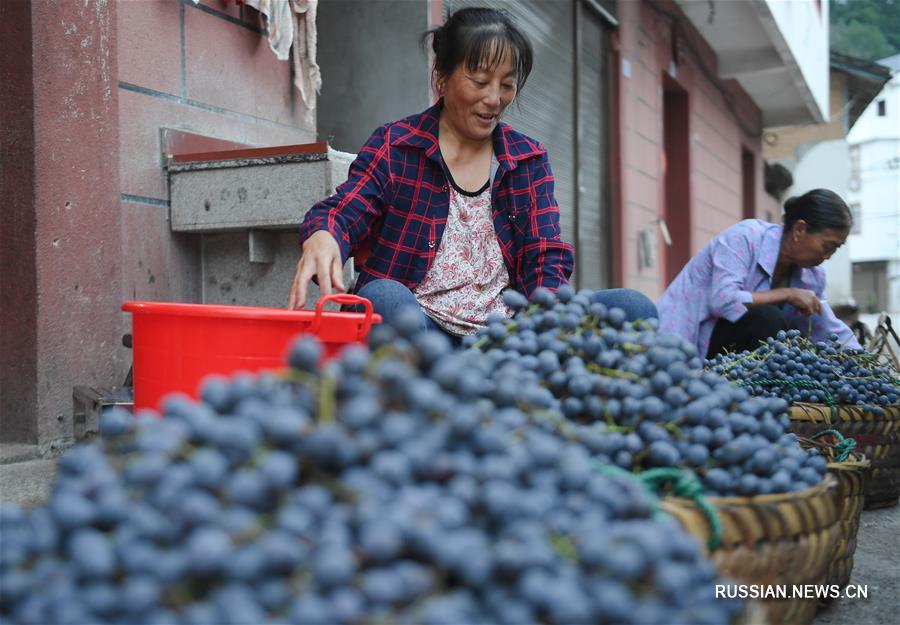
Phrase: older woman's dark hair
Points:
(479, 37)
(821, 209)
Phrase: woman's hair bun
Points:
(820, 209)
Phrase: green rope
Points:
(844, 445)
(685, 484)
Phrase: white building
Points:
(874, 196)
(818, 155)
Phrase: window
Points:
(856, 214)
(882, 108)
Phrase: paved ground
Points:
(876, 566)
(27, 483)
(877, 561)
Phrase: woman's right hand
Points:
(803, 300)
(320, 257)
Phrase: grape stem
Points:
(613, 373)
(327, 400)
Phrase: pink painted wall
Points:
(95, 85)
(204, 69)
(76, 231)
(723, 120)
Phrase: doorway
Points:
(748, 183)
(677, 177)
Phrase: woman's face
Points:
(474, 101)
(813, 249)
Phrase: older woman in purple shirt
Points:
(757, 278)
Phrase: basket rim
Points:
(860, 463)
(828, 482)
(800, 411)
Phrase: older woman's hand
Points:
(804, 300)
(320, 257)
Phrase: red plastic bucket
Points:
(177, 345)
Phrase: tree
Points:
(866, 29)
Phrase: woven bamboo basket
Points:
(877, 437)
(785, 539)
(852, 475)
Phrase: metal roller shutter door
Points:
(593, 249)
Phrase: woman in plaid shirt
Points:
(455, 206)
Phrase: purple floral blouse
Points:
(720, 280)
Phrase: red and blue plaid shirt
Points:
(396, 200)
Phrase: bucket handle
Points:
(345, 299)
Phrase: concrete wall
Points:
(879, 199)
(786, 143)
(68, 233)
(723, 122)
(372, 66)
(84, 146)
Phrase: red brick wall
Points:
(723, 120)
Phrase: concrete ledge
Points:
(258, 188)
(27, 484)
(10, 453)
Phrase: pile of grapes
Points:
(642, 396)
(401, 485)
(792, 367)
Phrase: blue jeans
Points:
(389, 296)
(635, 304)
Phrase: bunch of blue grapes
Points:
(798, 370)
(641, 395)
(395, 485)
